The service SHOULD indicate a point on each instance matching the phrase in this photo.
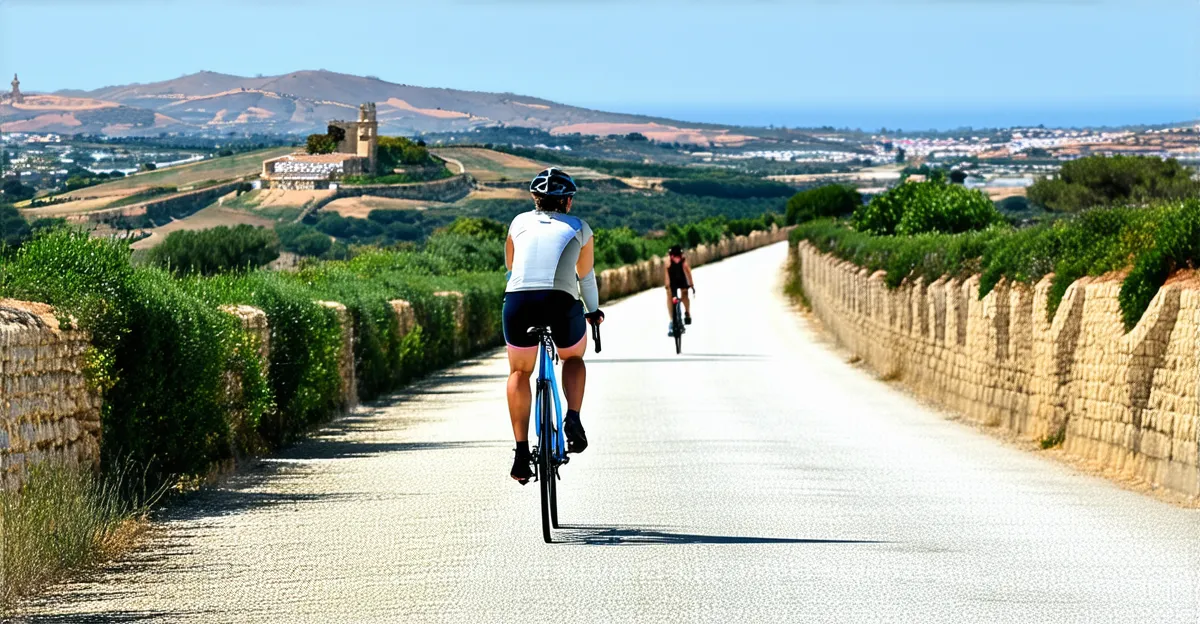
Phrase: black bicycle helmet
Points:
(675, 250)
(553, 182)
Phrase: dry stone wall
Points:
(47, 410)
(1126, 401)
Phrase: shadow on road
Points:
(112, 617)
(684, 358)
(636, 536)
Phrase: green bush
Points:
(831, 200)
(926, 207)
(1114, 180)
(216, 250)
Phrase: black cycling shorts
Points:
(555, 309)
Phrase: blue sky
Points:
(693, 58)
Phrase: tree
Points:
(14, 191)
(336, 133)
(14, 230)
(900, 154)
(958, 176)
(396, 151)
(478, 227)
(216, 250)
(930, 206)
(636, 136)
(1113, 180)
(831, 200)
(148, 166)
(320, 144)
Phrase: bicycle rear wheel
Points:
(546, 464)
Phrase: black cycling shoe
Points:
(687, 320)
(576, 438)
(522, 469)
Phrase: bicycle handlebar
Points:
(596, 335)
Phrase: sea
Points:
(923, 118)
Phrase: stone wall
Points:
(1128, 402)
(647, 274)
(446, 190)
(47, 411)
(174, 206)
(346, 358)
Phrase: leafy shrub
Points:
(216, 250)
(1109, 180)
(476, 227)
(397, 151)
(925, 207)
(302, 239)
(320, 144)
(830, 200)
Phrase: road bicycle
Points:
(551, 450)
(677, 324)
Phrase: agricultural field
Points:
(487, 165)
(226, 168)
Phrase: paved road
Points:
(756, 478)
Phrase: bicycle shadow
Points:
(592, 535)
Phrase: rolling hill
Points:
(302, 102)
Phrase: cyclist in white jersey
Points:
(550, 256)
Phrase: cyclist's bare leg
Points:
(670, 304)
(520, 369)
(687, 302)
(574, 373)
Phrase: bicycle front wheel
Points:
(546, 465)
(678, 330)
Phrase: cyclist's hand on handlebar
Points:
(693, 289)
(595, 318)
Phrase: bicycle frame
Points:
(547, 380)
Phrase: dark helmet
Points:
(553, 182)
(675, 250)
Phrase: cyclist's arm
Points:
(687, 270)
(508, 253)
(585, 270)
(667, 275)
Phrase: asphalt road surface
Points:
(756, 478)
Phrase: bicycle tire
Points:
(553, 465)
(678, 330)
(546, 464)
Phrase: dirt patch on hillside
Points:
(41, 122)
(657, 132)
(362, 206)
(59, 103)
(499, 193)
(429, 112)
(279, 198)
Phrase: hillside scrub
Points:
(1151, 243)
(1114, 180)
(216, 250)
(830, 200)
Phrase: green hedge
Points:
(163, 351)
(1151, 242)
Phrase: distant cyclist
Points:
(550, 257)
(679, 280)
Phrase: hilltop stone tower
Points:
(16, 96)
(368, 134)
(362, 136)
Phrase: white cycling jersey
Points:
(546, 247)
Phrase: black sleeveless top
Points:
(678, 278)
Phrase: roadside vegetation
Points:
(929, 231)
(164, 353)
